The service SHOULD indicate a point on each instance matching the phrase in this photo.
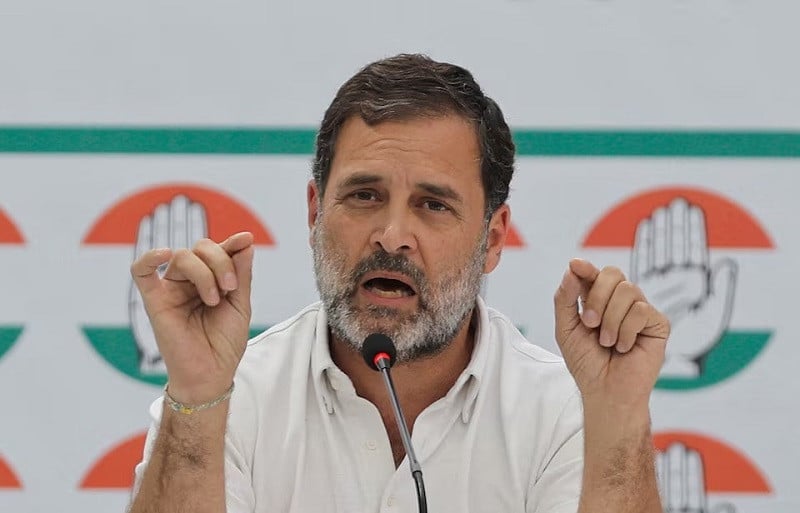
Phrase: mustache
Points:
(396, 263)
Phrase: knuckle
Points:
(613, 272)
(181, 255)
(204, 246)
(629, 288)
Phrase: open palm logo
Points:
(696, 471)
(175, 216)
(176, 225)
(670, 262)
(672, 235)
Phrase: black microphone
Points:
(379, 352)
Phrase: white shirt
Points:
(506, 438)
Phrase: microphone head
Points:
(374, 345)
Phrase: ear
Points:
(499, 225)
(313, 199)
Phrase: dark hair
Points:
(412, 85)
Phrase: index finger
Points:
(145, 269)
(584, 269)
(237, 242)
(573, 286)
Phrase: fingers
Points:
(682, 479)
(679, 233)
(660, 237)
(598, 287)
(614, 306)
(641, 255)
(145, 269)
(695, 482)
(237, 242)
(197, 226)
(160, 237)
(566, 304)
(178, 224)
(698, 241)
(673, 236)
(622, 306)
(186, 265)
(212, 267)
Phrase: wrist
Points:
(192, 403)
(197, 392)
(633, 412)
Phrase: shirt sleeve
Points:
(557, 488)
(239, 496)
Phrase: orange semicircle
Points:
(9, 233)
(8, 479)
(725, 469)
(224, 215)
(728, 225)
(513, 238)
(114, 470)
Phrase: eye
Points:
(364, 195)
(436, 206)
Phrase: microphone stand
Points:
(413, 463)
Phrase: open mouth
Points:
(389, 287)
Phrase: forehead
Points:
(442, 146)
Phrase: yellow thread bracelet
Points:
(187, 409)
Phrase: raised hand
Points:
(199, 309)
(178, 224)
(613, 344)
(681, 481)
(670, 263)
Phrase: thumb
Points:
(722, 283)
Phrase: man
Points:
(406, 213)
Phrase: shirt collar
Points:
(331, 379)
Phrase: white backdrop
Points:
(716, 77)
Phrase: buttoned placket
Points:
(367, 443)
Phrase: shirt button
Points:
(371, 445)
(390, 501)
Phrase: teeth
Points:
(388, 293)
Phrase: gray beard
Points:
(443, 307)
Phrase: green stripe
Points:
(300, 141)
(657, 144)
(224, 141)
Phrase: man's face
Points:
(399, 239)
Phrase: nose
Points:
(395, 232)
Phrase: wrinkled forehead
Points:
(445, 147)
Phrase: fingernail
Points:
(213, 296)
(229, 281)
(605, 339)
(590, 318)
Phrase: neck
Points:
(419, 383)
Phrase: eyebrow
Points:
(441, 191)
(358, 179)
